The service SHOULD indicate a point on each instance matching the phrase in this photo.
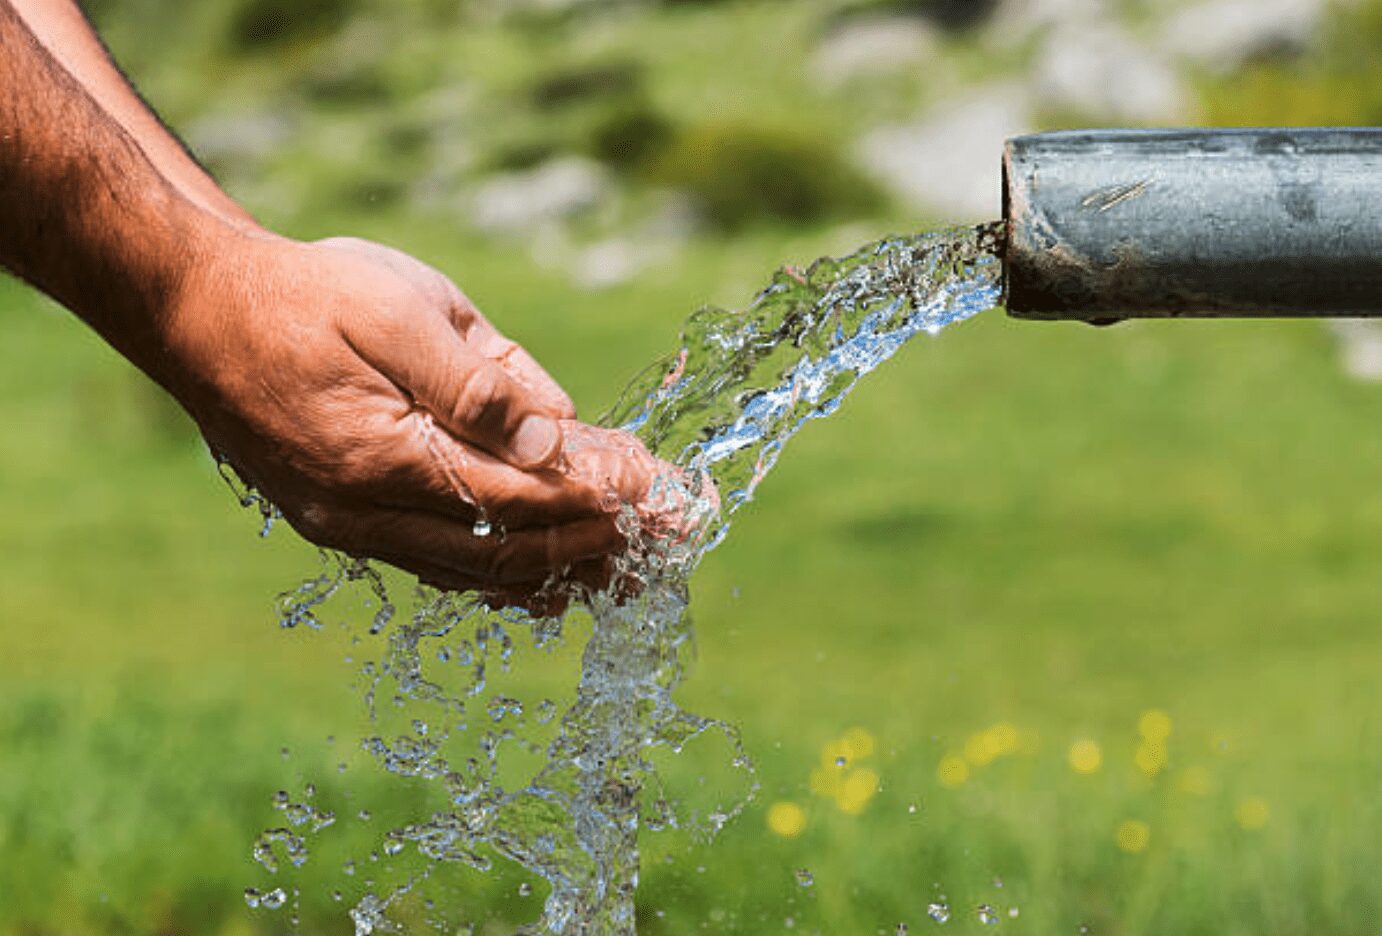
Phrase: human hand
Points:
(665, 524)
(369, 400)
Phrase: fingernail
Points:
(535, 441)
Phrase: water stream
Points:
(567, 797)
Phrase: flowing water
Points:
(566, 797)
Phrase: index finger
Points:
(432, 470)
(516, 361)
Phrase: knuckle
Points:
(321, 523)
(356, 468)
(310, 518)
(482, 398)
(464, 315)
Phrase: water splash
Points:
(744, 383)
(721, 410)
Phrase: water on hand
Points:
(566, 798)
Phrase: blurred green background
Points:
(1091, 615)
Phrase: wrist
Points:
(205, 326)
(161, 252)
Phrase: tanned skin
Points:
(355, 386)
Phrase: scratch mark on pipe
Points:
(1106, 198)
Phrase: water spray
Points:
(1104, 225)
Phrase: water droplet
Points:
(364, 815)
(310, 790)
(804, 877)
(525, 889)
(841, 761)
(273, 899)
(986, 914)
(501, 707)
(482, 528)
(901, 930)
(337, 896)
(938, 911)
(998, 882)
(252, 897)
(1014, 913)
(912, 808)
(348, 868)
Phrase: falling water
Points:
(720, 410)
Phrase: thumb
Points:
(468, 394)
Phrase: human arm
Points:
(358, 388)
(63, 30)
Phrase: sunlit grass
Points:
(1090, 614)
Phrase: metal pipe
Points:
(1110, 224)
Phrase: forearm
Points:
(62, 29)
(87, 217)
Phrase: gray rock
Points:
(1223, 34)
(948, 164)
(872, 46)
(1360, 348)
(609, 263)
(522, 201)
(657, 239)
(1099, 69)
(1018, 20)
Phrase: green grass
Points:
(1052, 526)
(1047, 526)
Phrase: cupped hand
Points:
(368, 399)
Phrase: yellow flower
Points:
(836, 754)
(839, 779)
(1151, 757)
(859, 787)
(858, 743)
(979, 749)
(1196, 781)
(1252, 812)
(990, 744)
(1005, 737)
(1085, 756)
(1133, 836)
(786, 819)
(826, 781)
(1154, 725)
(952, 771)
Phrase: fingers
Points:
(429, 470)
(470, 395)
(553, 597)
(442, 293)
(517, 363)
(440, 549)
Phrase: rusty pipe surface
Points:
(1110, 224)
